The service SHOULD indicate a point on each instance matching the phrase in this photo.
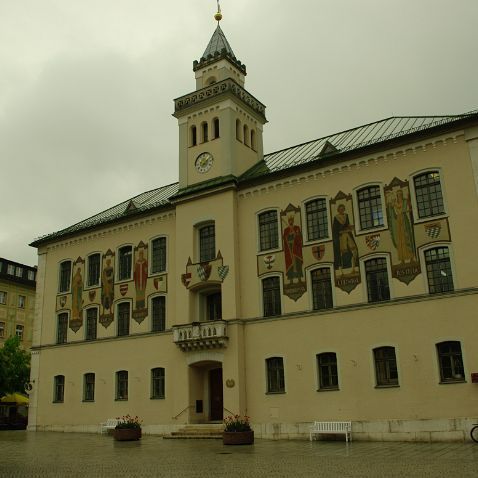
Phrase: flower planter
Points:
(127, 434)
(238, 438)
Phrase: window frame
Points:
(310, 285)
(118, 325)
(199, 228)
(151, 299)
(20, 332)
(162, 384)
(89, 285)
(59, 389)
(305, 232)
(22, 301)
(383, 376)
(356, 208)
(3, 297)
(65, 290)
(216, 128)
(442, 377)
(88, 390)
(88, 338)
(413, 195)
(204, 132)
(151, 257)
(120, 278)
(3, 327)
(423, 257)
(281, 387)
(364, 277)
(321, 385)
(278, 231)
(281, 305)
(66, 315)
(119, 383)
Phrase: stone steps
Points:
(197, 432)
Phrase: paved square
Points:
(43, 454)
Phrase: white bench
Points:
(332, 427)
(110, 424)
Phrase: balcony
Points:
(201, 335)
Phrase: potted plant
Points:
(237, 431)
(127, 428)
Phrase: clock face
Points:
(204, 162)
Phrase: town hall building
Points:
(331, 280)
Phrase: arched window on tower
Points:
(253, 139)
(205, 132)
(216, 127)
(194, 137)
(246, 135)
(238, 130)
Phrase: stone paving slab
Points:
(51, 454)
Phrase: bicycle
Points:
(474, 432)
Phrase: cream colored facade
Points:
(234, 342)
(17, 301)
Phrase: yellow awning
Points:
(17, 398)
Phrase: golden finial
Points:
(218, 16)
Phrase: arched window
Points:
(89, 387)
(216, 127)
(370, 207)
(157, 383)
(122, 385)
(253, 139)
(194, 138)
(428, 194)
(205, 132)
(238, 130)
(59, 388)
(246, 135)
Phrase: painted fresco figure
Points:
(107, 281)
(77, 295)
(345, 248)
(140, 278)
(292, 237)
(399, 218)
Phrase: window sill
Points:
(311, 242)
(121, 399)
(335, 389)
(156, 398)
(121, 281)
(269, 251)
(157, 273)
(275, 393)
(429, 218)
(93, 286)
(372, 230)
(58, 401)
(451, 382)
(388, 386)
(88, 401)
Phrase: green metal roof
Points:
(217, 44)
(302, 154)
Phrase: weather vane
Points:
(218, 15)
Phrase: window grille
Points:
(370, 207)
(327, 366)
(268, 230)
(385, 366)
(377, 280)
(439, 274)
(428, 194)
(275, 375)
(271, 296)
(321, 289)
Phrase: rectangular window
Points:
(327, 367)
(11, 269)
(207, 243)
(94, 262)
(158, 255)
(428, 194)
(268, 231)
(21, 301)
(370, 207)
(122, 385)
(451, 362)
(65, 276)
(31, 275)
(317, 221)
(89, 387)
(3, 297)
(62, 328)
(271, 296)
(158, 314)
(321, 289)
(275, 375)
(157, 383)
(59, 388)
(439, 275)
(377, 280)
(125, 262)
(214, 306)
(91, 323)
(19, 331)
(2, 329)
(385, 366)
(19, 271)
(123, 318)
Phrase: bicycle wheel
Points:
(474, 433)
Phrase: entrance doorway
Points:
(215, 394)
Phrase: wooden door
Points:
(215, 394)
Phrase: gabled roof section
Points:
(349, 140)
(143, 202)
(217, 44)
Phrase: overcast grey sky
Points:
(87, 87)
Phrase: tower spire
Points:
(218, 15)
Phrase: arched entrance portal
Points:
(206, 392)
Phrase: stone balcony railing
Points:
(201, 335)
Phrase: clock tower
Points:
(220, 123)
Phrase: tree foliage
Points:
(14, 367)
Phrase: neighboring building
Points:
(17, 301)
(333, 280)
